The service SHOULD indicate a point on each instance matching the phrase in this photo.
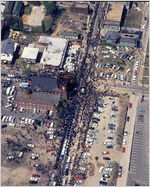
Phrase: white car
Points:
(101, 169)
(26, 121)
(11, 124)
(3, 119)
(82, 168)
(30, 145)
(20, 154)
(22, 120)
(111, 131)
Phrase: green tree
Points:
(47, 24)
(50, 7)
(13, 22)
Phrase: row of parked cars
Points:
(136, 66)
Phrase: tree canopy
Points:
(50, 7)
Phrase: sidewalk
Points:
(130, 128)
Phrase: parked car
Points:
(106, 158)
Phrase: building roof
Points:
(128, 40)
(54, 52)
(115, 12)
(8, 47)
(30, 53)
(45, 84)
(111, 35)
(68, 34)
(38, 97)
(9, 6)
(17, 8)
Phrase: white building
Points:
(54, 52)
(30, 54)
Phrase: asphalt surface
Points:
(139, 161)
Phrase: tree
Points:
(36, 3)
(47, 24)
(13, 22)
(50, 7)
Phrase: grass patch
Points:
(133, 18)
(47, 24)
(37, 29)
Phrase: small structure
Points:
(54, 52)
(68, 35)
(18, 7)
(30, 54)
(8, 51)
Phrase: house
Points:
(9, 7)
(30, 54)
(128, 42)
(18, 8)
(68, 35)
(111, 37)
(8, 50)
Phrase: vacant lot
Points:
(133, 18)
(36, 16)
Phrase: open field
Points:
(133, 18)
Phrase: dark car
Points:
(102, 183)
(3, 126)
(106, 158)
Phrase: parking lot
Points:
(139, 163)
(28, 137)
(100, 146)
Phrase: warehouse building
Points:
(30, 54)
(54, 52)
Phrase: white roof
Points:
(30, 53)
(54, 53)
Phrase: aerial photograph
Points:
(74, 93)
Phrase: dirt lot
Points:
(36, 16)
(69, 21)
(15, 139)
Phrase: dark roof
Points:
(44, 84)
(128, 40)
(17, 8)
(9, 6)
(111, 35)
(8, 47)
(38, 97)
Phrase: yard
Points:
(133, 18)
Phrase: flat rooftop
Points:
(45, 84)
(54, 51)
(115, 12)
(30, 53)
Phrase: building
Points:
(68, 35)
(54, 52)
(8, 50)
(111, 37)
(44, 94)
(81, 9)
(30, 54)
(2, 28)
(18, 8)
(128, 42)
(9, 7)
